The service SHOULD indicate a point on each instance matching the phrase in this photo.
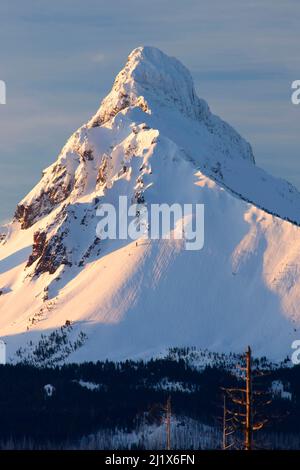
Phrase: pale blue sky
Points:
(59, 59)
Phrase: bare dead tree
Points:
(243, 413)
(168, 413)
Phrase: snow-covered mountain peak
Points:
(152, 76)
(154, 141)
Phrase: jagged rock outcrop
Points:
(53, 256)
(39, 243)
(43, 203)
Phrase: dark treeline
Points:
(128, 393)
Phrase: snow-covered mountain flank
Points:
(154, 141)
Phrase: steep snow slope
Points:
(154, 141)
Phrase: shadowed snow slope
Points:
(154, 141)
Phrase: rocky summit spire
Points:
(157, 85)
(151, 76)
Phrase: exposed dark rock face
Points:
(87, 155)
(89, 251)
(24, 215)
(50, 253)
(124, 101)
(39, 242)
(139, 197)
(101, 177)
(53, 256)
(27, 215)
(108, 114)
